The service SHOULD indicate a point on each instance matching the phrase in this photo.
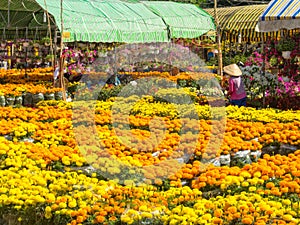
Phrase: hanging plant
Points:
(45, 41)
(49, 58)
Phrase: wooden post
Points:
(263, 67)
(220, 61)
(51, 41)
(61, 59)
(8, 13)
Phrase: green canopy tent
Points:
(108, 21)
(104, 20)
(183, 20)
(23, 19)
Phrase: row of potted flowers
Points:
(246, 138)
(27, 94)
(263, 192)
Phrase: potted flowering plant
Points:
(286, 45)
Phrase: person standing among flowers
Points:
(236, 88)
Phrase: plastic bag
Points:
(215, 162)
(28, 139)
(27, 99)
(241, 158)
(36, 98)
(225, 160)
(58, 95)
(9, 101)
(255, 155)
(8, 137)
(49, 96)
(271, 150)
(286, 149)
(19, 100)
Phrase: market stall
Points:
(94, 22)
(280, 14)
(238, 24)
(281, 56)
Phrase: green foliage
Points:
(286, 44)
(227, 60)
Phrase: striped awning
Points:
(280, 14)
(239, 20)
(243, 20)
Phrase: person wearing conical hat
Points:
(236, 87)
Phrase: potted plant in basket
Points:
(45, 41)
(286, 45)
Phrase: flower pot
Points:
(241, 158)
(36, 98)
(18, 100)
(286, 54)
(2, 100)
(225, 159)
(27, 99)
(49, 96)
(58, 95)
(10, 101)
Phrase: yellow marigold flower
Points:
(48, 215)
(146, 215)
(287, 217)
(173, 222)
(286, 202)
(66, 160)
(129, 183)
(245, 174)
(247, 220)
(143, 208)
(72, 204)
(206, 216)
(252, 189)
(62, 205)
(48, 209)
(245, 184)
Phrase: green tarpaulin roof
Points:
(110, 20)
(184, 20)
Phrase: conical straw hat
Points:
(232, 70)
